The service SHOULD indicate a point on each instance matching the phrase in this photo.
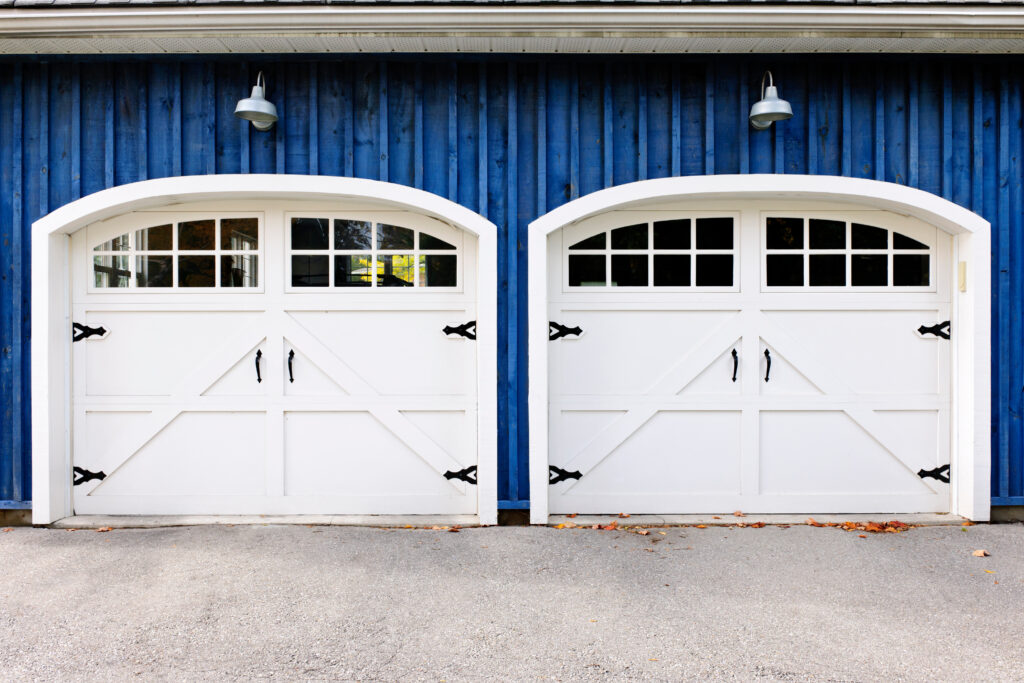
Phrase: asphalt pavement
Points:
(512, 604)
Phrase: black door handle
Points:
(735, 364)
(291, 356)
(259, 354)
(767, 372)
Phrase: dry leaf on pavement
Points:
(981, 553)
(103, 528)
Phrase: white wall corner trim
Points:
(971, 351)
(51, 338)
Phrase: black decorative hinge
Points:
(80, 332)
(467, 475)
(467, 330)
(557, 331)
(940, 473)
(557, 474)
(940, 330)
(85, 475)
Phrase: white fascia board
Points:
(985, 23)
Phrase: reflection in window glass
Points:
(239, 234)
(394, 237)
(900, 241)
(826, 235)
(154, 271)
(111, 271)
(196, 271)
(785, 233)
(593, 242)
(119, 243)
(714, 270)
(869, 270)
(868, 237)
(672, 235)
(431, 242)
(630, 237)
(158, 238)
(785, 271)
(353, 271)
(396, 270)
(910, 270)
(629, 270)
(714, 233)
(671, 270)
(353, 235)
(587, 271)
(828, 270)
(309, 271)
(438, 271)
(197, 236)
(239, 270)
(310, 233)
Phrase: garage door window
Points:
(815, 252)
(339, 252)
(680, 252)
(211, 253)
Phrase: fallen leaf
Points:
(980, 553)
(642, 532)
(72, 529)
(715, 517)
(741, 525)
(570, 525)
(648, 550)
(572, 515)
(738, 514)
(968, 523)
(8, 529)
(435, 528)
(559, 526)
(454, 530)
(623, 514)
(811, 521)
(593, 621)
(873, 527)
(409, 526)
(595, 526)
(702, 526)
(757, 525)
(662, 533)
(652, 659)
(611, 527)
(103, 528)
(989, 571)
(862, 535)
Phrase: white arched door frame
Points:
(51, 321)
(971, 464)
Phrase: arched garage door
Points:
(274, 357)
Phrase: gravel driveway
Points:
(512, 604)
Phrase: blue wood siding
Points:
(513, 138)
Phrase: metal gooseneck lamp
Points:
(770, 107)
(256, 108)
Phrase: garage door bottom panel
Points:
(287, 505)
(761, 504)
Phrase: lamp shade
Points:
(257, 108)
(770, 107)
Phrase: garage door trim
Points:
(971, 419)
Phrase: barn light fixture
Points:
(256, 108)
(770, 107)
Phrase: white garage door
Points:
(272, 361)
(756, 359)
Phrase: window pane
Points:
(197, 236)
(196, 271)
(431, 242)
(158, 238)
(785, 233)
(903, 242)
(239, 234)
(310, 233)
(868, 237)
(154, 271)
(826, 235)
(309, 271)
(393, 237)
(828, 271)
(593, 242)
(355, 235)
(396, 270)
(239, 270)
(119, 243)
(672, 235)
(714, 233)
(353, 271)
(629, 270)
(438, 271)
(587, 271)
(111, 271)
(714, 270)
(671, 270)
(869, 270)
(785, 271)
(630, 237)
(910, 270)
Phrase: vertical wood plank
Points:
(607, 134)
(382, 121)
(108, 128)
(574, 133)
(947, 132)
(453, 132)
(709, 118)
(417, 126)
(76, 131)
(314, 120)
(142, 159)
(977, 134)
(811, 129)
(913, 136)
(847, 135)
(43, 207)
(641, 122)
(879, 156)
(512, 275)
(18, 250)
(481, 158)
(744, 125)
(243, 126)
(542, 139)
(280, 128)
(677, 118)
(176, 122)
